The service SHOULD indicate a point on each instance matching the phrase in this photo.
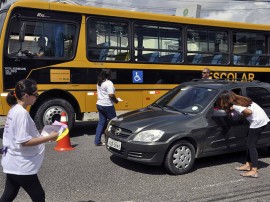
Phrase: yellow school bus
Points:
(148, 54)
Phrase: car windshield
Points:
(186, 99)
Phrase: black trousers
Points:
(252, 139)
(30, 183)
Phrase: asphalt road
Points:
(90, 173)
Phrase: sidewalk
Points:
(2, 121)
(93, 116)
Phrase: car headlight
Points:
(109, 128)
(149, 136)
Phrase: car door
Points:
(225, 133)
(261, 96)
(238, 127)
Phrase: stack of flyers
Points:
(57, 126)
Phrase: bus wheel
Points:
(51, 110)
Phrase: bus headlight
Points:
(149, 136)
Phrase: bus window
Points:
(207, 46)
(107, 40)
(249, 48)
(157, 44)
(57, 39)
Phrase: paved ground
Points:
(89, 173)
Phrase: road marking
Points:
(217, 185)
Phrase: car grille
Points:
(132, 154)
(135, 154)
(120, 132)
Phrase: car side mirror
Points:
(219, 113)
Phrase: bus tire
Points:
(51, 110)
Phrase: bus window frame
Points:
(156, 51)
(207, 29)
(264, 55)
(97, 48)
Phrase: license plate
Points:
(114, 144)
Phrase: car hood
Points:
(151, 118)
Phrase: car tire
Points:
(180, 158)
(51, 110)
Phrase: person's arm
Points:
(39, 140)
(247, 112)
(244, 110)
(111, 91)
(113, 98)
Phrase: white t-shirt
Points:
(20, 128)
(258, 118)
(103, 91)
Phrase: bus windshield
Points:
(48, 39)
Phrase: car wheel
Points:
(51, 110)
(180, 158)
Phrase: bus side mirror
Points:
(22, 33)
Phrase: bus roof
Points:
(69, 7)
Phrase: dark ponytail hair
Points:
(25, 86)
(11, 98)
(103, 75)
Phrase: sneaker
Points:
(100, 144)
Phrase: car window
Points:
(237, 91)
(259, 95)
(188, 99)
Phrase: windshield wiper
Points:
(175, 109)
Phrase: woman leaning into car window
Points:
(258, 120)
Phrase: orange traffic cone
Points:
(64, 143)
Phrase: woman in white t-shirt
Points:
(23, 148)
(258, 120)
(105, 103)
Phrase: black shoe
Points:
(100, 144)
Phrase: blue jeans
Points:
(105, 113)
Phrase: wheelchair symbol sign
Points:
(137, 76)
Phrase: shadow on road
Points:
(199, 163)
(239, 157)
(137, 167)
(82, 128)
